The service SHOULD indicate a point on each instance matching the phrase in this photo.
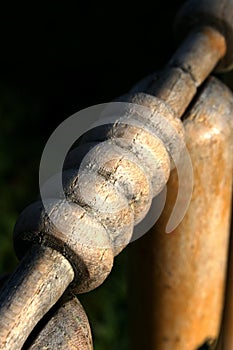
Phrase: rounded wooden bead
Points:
(76, 155)
(120, 168)
(103, 200)
(157, 118)
(101, 197)
(149, 133)
(213, 13)
(69, 229)
(149, 152)
(148, 149)
(161, 122)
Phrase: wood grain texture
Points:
(177, 280)
(69, 229)
(36, 285)
(215, 13)
(87, 237)
(199, 53)
(175, 87)
(226, 339)
(162, 118)
(184, 73)
(66, 326)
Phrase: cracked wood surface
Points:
(177, 292)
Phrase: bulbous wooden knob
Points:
(69, 229)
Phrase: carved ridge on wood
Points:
(88, 267)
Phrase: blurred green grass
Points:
(18, 166)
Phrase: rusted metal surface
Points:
(177, 279)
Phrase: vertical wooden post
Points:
(177, 280)
(226, 339)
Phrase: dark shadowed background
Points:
(54, 61)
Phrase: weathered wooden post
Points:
(54, 260)
(178, 279)
(158, 323)
(66, 326)
(226, 337)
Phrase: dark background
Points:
(54, 61)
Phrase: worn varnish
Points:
(82, 264)
(30, 293)
(177, 279)
(226, 338)
(65, 327)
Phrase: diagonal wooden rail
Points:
(46, 271)
(72, 331)
(65, 326)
